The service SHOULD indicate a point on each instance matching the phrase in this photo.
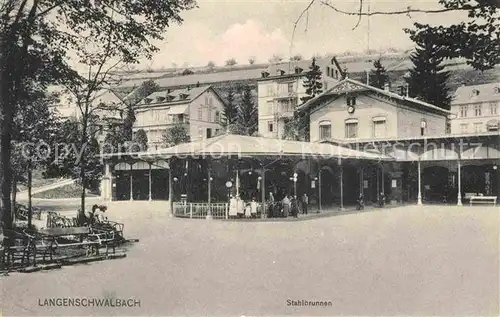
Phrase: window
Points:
(493, 108)
(475, 92)
(351, 101)
(210, 117)
(477, 110)
(492, 125)
(325, 130)
(206, 100)
(270, 90)
(270, 126)
(290, 88)
(379, 127)
(351, 128)
(464, 127)
(200, 113)
(463, 111)
(478, 127)
(209, 133)
(217, 116)
(210, 101)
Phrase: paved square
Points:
(430, 260)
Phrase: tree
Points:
(477, 38)
(33, 132)
(427, 80)
(211, 64)
(140, 141)
(312, 82)
(247, 114)
(379, 76)
(251, 60)
(187, 71)
(296, 58)
(231, 62)
(230, 110)
(177, 134)
(35, 37)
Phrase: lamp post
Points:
(423, 125)
(295, 185)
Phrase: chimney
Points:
(386, 86)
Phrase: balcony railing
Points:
(285, 95)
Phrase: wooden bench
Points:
(49, 239)
(483, 199)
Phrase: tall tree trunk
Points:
(30, 182)
(14, 196)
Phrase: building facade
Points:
(476, 109)
(351, 110)
(199, 109)
(281, 88)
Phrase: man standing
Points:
(305, 202)
(286, 206)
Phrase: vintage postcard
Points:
(249, 158)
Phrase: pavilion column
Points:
(131, 184)
(382, 176)
(361, 181)
(341, 185)
(263, 191)
(459, 195)
(209, 180)
(319, 187)
(170, 188)
(149, 183)
(419, 196)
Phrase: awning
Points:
(178, 109)
(246, 146)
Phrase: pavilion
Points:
(420, 169)
(206, 170)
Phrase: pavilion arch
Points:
(481, 152)
(439, 154)
(122, 166)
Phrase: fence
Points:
(201, 210)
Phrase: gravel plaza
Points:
(413, 260)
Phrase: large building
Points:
(476, 109)
(199, 109)
(281, 88)
(356, 111)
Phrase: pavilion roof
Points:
(245, 146)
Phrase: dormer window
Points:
(160, 99)
(147, 100)
(351, 101)
(298, 70)
(280, 72)
(183, 96)
(265, 74)
(497, 90)
(475, 92)
(169, 98)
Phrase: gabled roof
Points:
(174, 96)
(288, 68)
(477, 93)
(351, 85)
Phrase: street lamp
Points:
(295, 184)
(229, 184)
(423, 125)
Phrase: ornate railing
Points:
(201, 210)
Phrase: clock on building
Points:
(350, 109)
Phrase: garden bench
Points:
(483, 199)
(23, 246)
(49, 239)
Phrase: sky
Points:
(221, 29)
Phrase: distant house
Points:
(200, 109)
(476, 109)
(107, 108)
(354, 111)
(281, 88)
